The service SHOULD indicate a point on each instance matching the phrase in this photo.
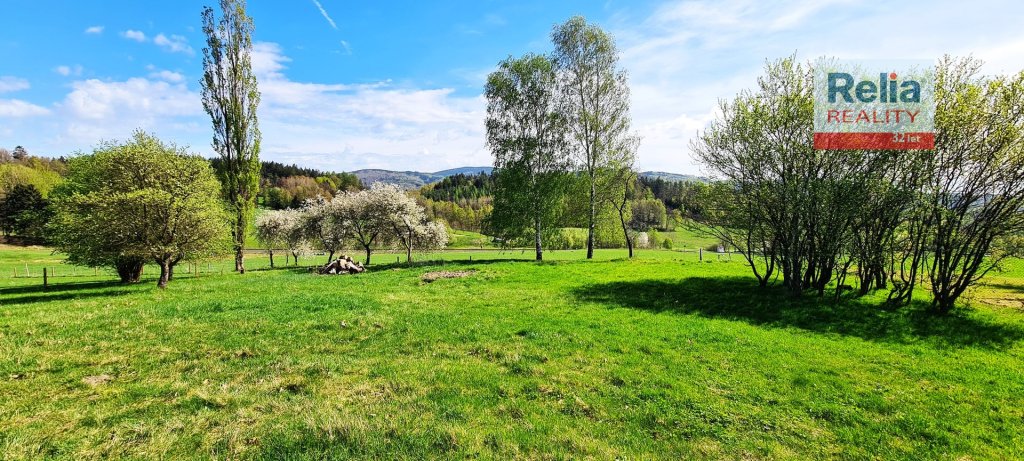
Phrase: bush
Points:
(566, 238)
(667, 243)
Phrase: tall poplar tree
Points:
(231, 97)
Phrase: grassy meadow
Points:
(660, 357)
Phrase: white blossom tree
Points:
(270, 230)
(322, 224)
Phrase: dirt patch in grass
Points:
(437, 275)
(97, 380)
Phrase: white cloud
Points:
(345, 47)
(351, 126)
(174, 43)
(136, 35)
(94, 30)
(168, 76)
(16, 108)
(68, 70)
(687, 55)
(324, 13)
(96, 110)
(10, 84)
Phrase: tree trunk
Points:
(174, 262)
(367, 247)
(593, 211)
(536, 239)
(129, 269)
(295, 258)
(625, 228)
(239, 235)
(239, 261)
(165, 272)
(271, 258)
(285, 258)
(408, 249)
(330, 256)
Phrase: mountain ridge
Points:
(417, 179)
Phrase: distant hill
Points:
(466, 170)
(416, 179)
(413, 179)
(404, 179)
(672, 176)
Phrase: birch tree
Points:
(595, 96)
(526, 135)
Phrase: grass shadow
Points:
(63, 292)
(60, 286)
(738, 298)
(1006, 287)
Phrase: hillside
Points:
(413, 179)
(416, 179)
(672, 176)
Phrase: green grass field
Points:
(661, 357)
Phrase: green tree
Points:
(975, 194)
(526, 135)
(784, 199)
(24, 212)
(595, 94)
(231, 97)
(137, 201)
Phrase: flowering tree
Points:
(270, 230)
(322, 224)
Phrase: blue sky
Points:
(398, 85)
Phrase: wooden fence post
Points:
(701, 252)
(45, 281)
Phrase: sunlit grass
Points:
(659, 357)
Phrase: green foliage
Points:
(647, 214)
(526, 135)
(466, 215)
(666, 243)
(460, 188)
(24, 212)
(595, 100)
(230, 96)
(40, 176)
(566, 238)
(141, 200)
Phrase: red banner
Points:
(875, 141)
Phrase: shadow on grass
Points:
(1006, 287)
(738, 298)
(64, 291)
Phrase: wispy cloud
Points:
(346, 47)
(174, 43)
(324, 13)
(136, 35)
(10, 84)
(68, 71)
(94, 30)
(168, 76)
